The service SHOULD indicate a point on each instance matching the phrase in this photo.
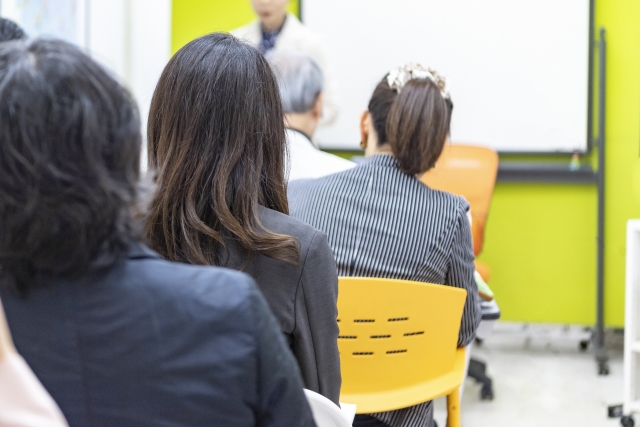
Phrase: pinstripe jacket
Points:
(381, 222)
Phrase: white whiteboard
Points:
(518, 70)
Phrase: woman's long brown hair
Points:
(217, 142)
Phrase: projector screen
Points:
(518, 71)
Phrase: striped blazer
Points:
(381, 222)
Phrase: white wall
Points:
(132, 38)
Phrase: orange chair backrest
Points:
(471, 172)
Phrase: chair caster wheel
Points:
(627, 421)
(603, 368)
(584, 345)
(486, 392)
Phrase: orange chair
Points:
(471, 172)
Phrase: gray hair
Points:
(300, 80)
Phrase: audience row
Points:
(209, 296)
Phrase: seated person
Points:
(301, 82)
(118, 336)
(9, 31)
(217, 142)
(382, 221)
(276, 29)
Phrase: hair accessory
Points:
(399, 77)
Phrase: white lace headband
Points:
(398, 77)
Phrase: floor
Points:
(541, 378)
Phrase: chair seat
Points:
(389, 400)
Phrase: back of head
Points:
(9, 31)
(300, 80)
(69, 160)
(217, 142)
(414, 119)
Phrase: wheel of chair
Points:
(627, 421)
(486, 392)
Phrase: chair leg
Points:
(453, 408)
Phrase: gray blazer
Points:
(303, 298)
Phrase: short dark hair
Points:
(9, 31)
(415, 123)
(217, 141)
(69, 163)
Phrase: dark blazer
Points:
(153, 343)
(303, 298)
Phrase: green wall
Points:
(622, 21)
(540, 240)
(194, 18)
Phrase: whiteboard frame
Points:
(590, 82)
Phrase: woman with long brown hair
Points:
(217, 142)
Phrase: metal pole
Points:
(601, 353)
(591, 88)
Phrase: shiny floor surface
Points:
(542, 378)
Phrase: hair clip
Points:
(399, 77)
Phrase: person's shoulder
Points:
(298, 29)
(308, 162)
(249, 32)
(285, 224)
(335, 163)
(196, 288)
(304, 186)
(334, 179)
(458, 205)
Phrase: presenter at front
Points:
(277, 29)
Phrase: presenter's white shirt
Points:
(295, 36)
(307, 162)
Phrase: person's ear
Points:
(318, 106)
(365, 124)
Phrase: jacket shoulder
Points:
(294, 26)
(295, 35)
(202, 290)
(285, 224)
(449, 199)
(249, 32)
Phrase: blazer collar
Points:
(380, 160)
(139, 251)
